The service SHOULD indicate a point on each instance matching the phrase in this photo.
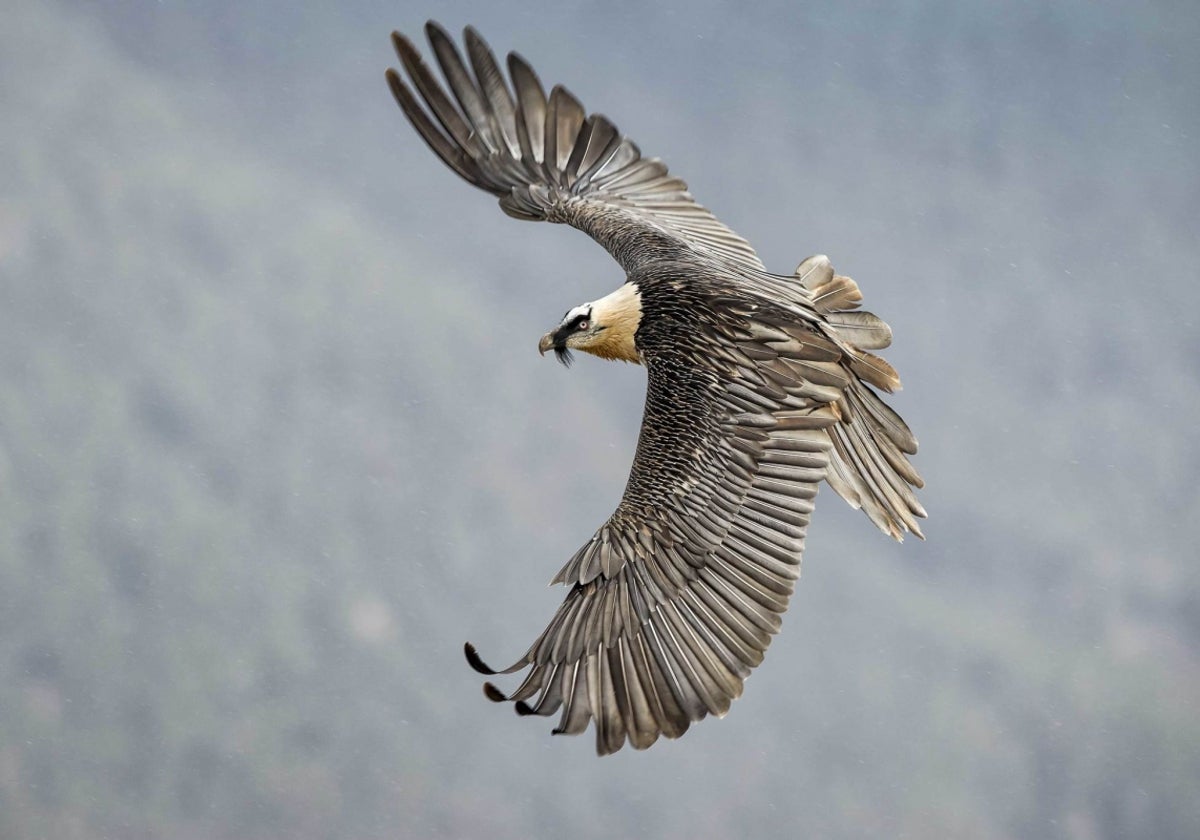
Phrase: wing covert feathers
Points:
(547, 159)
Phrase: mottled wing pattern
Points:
(547, 159)
(676, 598)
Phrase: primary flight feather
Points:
(759, 386)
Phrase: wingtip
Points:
(475, 662)
(494, 694)
(432, 26)
(399, 89)
(401, 44)
(517, 64)
(561, 92)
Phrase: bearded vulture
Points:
(759, 386)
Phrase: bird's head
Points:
(604, 328)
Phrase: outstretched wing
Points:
(548, 160)
(676, 597)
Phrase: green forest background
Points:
(274, 440)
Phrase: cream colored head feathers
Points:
(604, 328)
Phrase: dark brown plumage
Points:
(758, 388)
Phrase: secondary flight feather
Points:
(759, 386)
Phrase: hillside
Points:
(274, 440)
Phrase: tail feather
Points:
(869, 467)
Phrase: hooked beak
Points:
(549, 342)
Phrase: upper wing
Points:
(677, 596)
(547, 160)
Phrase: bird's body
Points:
(757, 389)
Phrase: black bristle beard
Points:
(564, 356)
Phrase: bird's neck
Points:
(620, 313)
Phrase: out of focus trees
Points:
(274, 442)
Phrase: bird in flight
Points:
(759, 386)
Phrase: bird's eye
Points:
(583, 325)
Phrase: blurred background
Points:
(275, 440)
